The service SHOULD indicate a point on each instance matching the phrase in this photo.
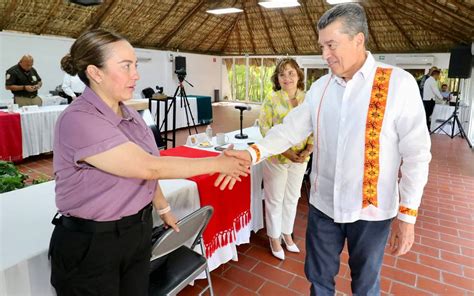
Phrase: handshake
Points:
(232, 164)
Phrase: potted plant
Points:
(10, 177)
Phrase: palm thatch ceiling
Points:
(394, 25)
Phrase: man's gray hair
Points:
(352, 16)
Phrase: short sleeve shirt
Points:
(86, 128)
(17, 76)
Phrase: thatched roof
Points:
(394, 25)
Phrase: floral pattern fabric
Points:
(274, 108)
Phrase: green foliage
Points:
(39, 181)
(257, 76)
(10, 177)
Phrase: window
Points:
(247, 79)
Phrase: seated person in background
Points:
(72, 85)
(23, 81)
(445, 92)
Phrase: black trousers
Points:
(429, 107)
(108, 263)
(325, 240)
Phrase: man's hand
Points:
(402, 237)
(30, 88)
(225, 180)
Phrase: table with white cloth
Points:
(37, 129)
(25, 228)
(25, 231)
(442, 112)
(229, 252)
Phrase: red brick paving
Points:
(440, 263)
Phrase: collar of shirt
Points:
(364, 71)
(284, 95)
(90, 96)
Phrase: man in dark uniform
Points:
(24, 82)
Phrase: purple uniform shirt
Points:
(86, 128)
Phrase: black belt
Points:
(84, 225)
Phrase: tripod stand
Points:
(455, 120)
(184, 102)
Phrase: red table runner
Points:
(231, 207)
(10, 137)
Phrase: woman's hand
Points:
(243, 157)
(304, 154)
(169, 220)
(233, 166)
(293, 156)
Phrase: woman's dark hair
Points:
(280, 67)
(89, 49)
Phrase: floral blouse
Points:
(274, 108)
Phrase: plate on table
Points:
(205, 144)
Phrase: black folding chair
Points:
(146, 115)
(173, 264)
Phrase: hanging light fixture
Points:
(224, 10)
(279, 3)
(335, 2)
(219, 7)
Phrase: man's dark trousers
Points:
(325, 239)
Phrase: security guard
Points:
(24, 82)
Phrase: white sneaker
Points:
(279, 254)
(291, 248)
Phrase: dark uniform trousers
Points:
(88, 259)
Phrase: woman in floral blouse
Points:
(283, 174)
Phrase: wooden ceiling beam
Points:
(131, 16)
(426, 26)
(371, 32)
(405, 35)
(224, 46)
(372, 35)
(436, 7)
(103, 13)
(52, 12)
(312, 24)
(193, 32)
(149, 31)
(270, 40)
(460, 32)
(237, 30)
(210, 33)
(249, 29)
(7, 14)
(180, 24)
(295, 48)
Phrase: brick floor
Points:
(440, 263)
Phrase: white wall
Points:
(155, 67)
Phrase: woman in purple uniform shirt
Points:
(106, 167)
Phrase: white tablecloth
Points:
(37, 129)
(440, 114)
(26, 228)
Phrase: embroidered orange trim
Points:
(373, 126)
(408, 211)
(257, 151)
